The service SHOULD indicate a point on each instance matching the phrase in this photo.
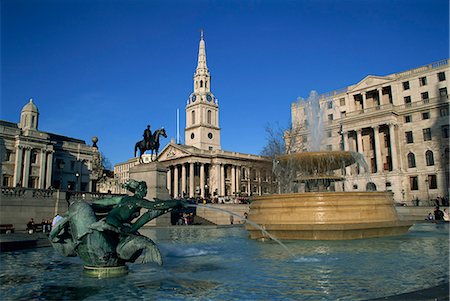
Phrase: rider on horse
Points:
(147, 137)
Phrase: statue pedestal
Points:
(106, 272)
(155, 175)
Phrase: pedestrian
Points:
(438, 214)
(31, 226)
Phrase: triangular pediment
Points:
(370, 81)
(173, 151)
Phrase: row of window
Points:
(426, 115)
(429, 159)
(427, 135)
(424, 96)
(208, 117)
(423, 81)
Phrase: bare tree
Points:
(280, 142)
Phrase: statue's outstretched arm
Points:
(157, 204)
(107, 202)
(156, 208)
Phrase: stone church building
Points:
(200, 168)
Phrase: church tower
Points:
(202, 110)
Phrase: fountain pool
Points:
(224, 264)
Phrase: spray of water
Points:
(247, 221)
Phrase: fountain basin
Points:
(326, 216)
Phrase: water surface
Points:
(224, 264)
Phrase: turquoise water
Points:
(224, 264)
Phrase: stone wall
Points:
(18, 205)
(220, 217)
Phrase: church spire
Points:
(202, 69)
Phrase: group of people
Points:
(438, 215)
(45, 225)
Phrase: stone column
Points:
(48, 180)
(183, 180)
(377, 147)
(43, 158)
(26, 167)
(346, 145)
(175, 181)
(222, 179)
(380, 96)
(18, 165)
(191, 180)
(233, 180)
(218, 180)
(202, 180)
(169, 180)
(359, 141)
(249, 183)
(364, 104)
(258, 175)
(393, 146)
(238, 176)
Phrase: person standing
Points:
(438, 214)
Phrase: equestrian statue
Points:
(150, 142)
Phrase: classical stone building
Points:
(399, 122)
(200, 167)
(36, 159)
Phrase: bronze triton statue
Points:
(150, 142)
(106, 244)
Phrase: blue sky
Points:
(109, 68)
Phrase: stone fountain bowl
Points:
(326, 216)
(318, 162)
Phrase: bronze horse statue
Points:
(153, 144)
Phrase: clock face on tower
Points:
(194, 98)
(208, 97)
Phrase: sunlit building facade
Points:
(399, 122)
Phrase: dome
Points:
(30, 107)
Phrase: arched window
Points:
(193, 117)
(429, 158)
(370, 186)
(201, 84)
(411, 160)
(206, 84)
(208, 117)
